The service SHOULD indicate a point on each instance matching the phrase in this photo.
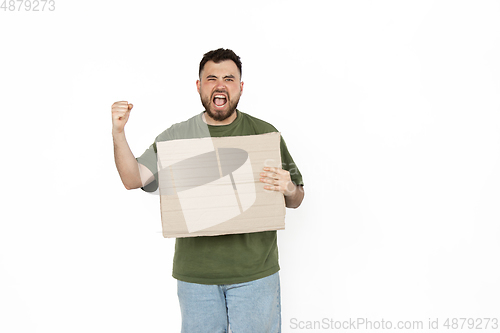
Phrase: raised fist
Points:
(120, 112)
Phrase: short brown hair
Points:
(218, 56)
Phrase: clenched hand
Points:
(120, 111)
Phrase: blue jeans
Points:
(252, 307)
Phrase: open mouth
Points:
(219, 100)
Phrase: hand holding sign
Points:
(279, 180)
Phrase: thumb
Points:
(130, 106)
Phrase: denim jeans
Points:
(252, 307)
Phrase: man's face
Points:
(220, 88)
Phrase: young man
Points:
(229, 279)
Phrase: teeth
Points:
(219, 96)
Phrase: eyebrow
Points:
(224, 77)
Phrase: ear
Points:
(198, 85)
(241, 87)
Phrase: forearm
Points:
(295, 199)
(126, 164)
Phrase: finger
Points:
(269, 180)
(274, 182)
(122, 107)
(269, 175)
(120, 103)
(120, 112)
(272, 188)
(130, 106)
(275, 170)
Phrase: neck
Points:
(210, 121)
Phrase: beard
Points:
(219, 115)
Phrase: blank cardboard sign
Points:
(211, 186)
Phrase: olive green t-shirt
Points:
(225, 259)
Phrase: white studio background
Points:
(391, 110)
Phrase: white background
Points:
(389, 108)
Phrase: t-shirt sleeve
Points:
(149, 160)
(289, 165)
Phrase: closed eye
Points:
(227, 78)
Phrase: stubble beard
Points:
(219, 115)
